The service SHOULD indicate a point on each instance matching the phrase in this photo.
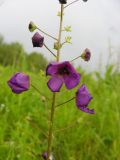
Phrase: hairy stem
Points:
(54, 94)
(63, 43)
(65, 102)
(75, 58)
(47, 34)
(60, 31)
(71, 3)
(51, 126)
(49, 50)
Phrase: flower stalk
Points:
(60, 32)
(71, 3)
(86, 55)
(54, 94)
(65, 102)
(47, 34)
(49, 50)
(76, 58)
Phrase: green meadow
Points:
(24, 119)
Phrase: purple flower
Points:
(19, 82)
(63, 1)
(83, 98)
(44, 155)
(62, 72)
(37, 40)
(85, 0)
(86, 54)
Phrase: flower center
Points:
(63, 71)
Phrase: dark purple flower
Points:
(63, 1)
(62, 72)
(44, 155)
(83, 98)
(86, 54)
(85, 0)
(37, 40)
(19, 82)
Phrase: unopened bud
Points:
(43, 99)
(86, 55)
(44, 155)
(57, 46)
(63, 1)
(32, 26)
(85, 0)
(37, 40)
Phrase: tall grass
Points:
(77, 135)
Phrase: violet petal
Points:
(52, 68)
(23, 81)
(19, 82)
(55, 83)
(83, 98)
(72, 80)
(16, 89)
(87, 110)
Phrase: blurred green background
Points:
(24, 118)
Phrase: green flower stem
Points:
(65, 102)
(60, 31)
(71, 3)
(49, 50)
(63, 43)
(47, 34)
(50, 135)
(75, 58)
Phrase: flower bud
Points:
(32, 27)
(63, 1)
(85, 0)
(19, 82)
(44, 155)
(57, 46)
(43, 99)
(86, 55)
(37, 40)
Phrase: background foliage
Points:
(77, 135)
(15, 55)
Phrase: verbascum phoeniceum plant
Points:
(59, 73)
